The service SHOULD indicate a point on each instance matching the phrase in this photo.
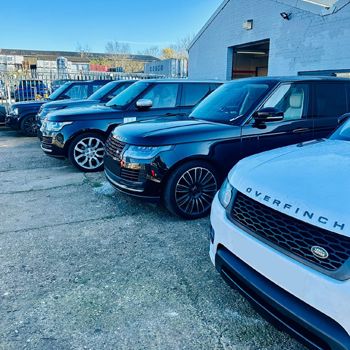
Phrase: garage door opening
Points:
(251, 60)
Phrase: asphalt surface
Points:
(83, 267)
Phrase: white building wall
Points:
(307, 42)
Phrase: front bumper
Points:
(51, 144)
(133, 179)
(12, 121)
(311, 306)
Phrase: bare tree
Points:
(154, 51)
(84, 50)
(118, 52)
(181, 47)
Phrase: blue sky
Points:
(59, 25)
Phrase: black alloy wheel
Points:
(190, 190)
(29, 126)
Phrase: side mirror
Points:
(268, 114)
(343, 118)
(64, 97)
(144, 104)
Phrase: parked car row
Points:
(280, 230)
(22, 115)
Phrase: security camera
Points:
(286, 15)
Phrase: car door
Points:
(293, 99)
(166, 102)
(330, 103)
(192, 93)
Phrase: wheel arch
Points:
(80, 132)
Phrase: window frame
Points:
(183, 97)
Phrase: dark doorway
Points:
(251, 60)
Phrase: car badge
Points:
(319, 252)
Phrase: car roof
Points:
(183, 81)
(294, 79)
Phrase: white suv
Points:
(281, 236)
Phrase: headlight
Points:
(14, 110)
(140, 152)
(225, 193)
(55, 126)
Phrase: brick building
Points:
(273, 37)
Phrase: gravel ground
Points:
(83, 267)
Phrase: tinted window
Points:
(58, 91)
(78, 91)
(120, 89)
(193, 93)
(291, 99)
(127, 96)
(233, 101)
(330, 100)
(96, 87)
(163, 95)
(343, 133)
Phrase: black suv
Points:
(80, 134)
(22, 116)
(184, 159)
(101, 96)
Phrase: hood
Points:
(309, 182)
(71, 103)
(174, 130)
(28, 104)
(86, 113)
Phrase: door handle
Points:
(301, 130)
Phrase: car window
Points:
(291, 99)
(120, 89)
(96, 87)
(163, 95)
(193, 93)
(78, 91)
(330, 100)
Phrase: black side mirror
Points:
(343, 118)
(64, 97)
(268, 114)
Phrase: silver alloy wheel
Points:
(89, 152)
(195, 190)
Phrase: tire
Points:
(29, 126)
(190, 190)
(86, 152)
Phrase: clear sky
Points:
(59, 25)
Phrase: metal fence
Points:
(34, 85)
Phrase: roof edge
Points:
(208, 23)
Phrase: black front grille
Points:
(135, 175)
(47, 140)
(114, 147)
(290, 234)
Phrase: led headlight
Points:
(225, 193)
(141, 152)
(55, 126)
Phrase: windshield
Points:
(55, 94)
(127, 96)
(343, 133)
(231, 102)
(102, 91)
